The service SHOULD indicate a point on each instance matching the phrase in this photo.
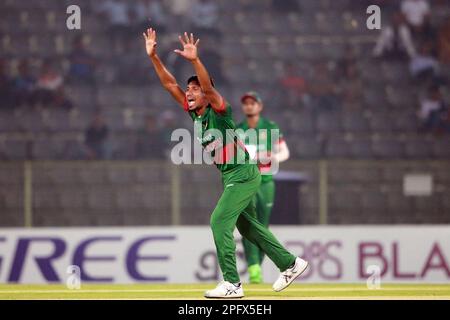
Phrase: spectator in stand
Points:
(24, 85)
(5, 87)
(150, 12)
(293, 87)
(323, 89)
(96, 139)
(349, 58)
(351, 87)
(204, 18)
(395, 41)
(424, 65)
(61, 101)
(434, 112)
(82, 63)
(118, 14)
(350, 84)
(150, 143)
(49, 89)
(444, 42)
(417, 15)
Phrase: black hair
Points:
(194, 78)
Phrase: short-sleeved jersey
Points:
(264, 142)
(218, 137)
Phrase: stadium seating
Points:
(313, 33)
(255, 43)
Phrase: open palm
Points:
(150, 42)
(190, 46)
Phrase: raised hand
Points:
(190, 46)
(150, 42)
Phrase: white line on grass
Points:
(201, 290)
(279, 297)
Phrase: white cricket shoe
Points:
(225, 290)
(290, 274)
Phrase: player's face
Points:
(195, 96)
(251, 107)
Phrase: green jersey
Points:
(264, 142)
(216, 133)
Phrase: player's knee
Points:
(219, 229)
(213, 221)
(216, 226)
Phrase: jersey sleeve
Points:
(227, 110)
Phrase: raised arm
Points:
(167, 79)
(190, 52)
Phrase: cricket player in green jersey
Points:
(278, 151)
(241, 179)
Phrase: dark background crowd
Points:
(332, 84)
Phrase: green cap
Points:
(252, 94)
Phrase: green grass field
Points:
(254, 292)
